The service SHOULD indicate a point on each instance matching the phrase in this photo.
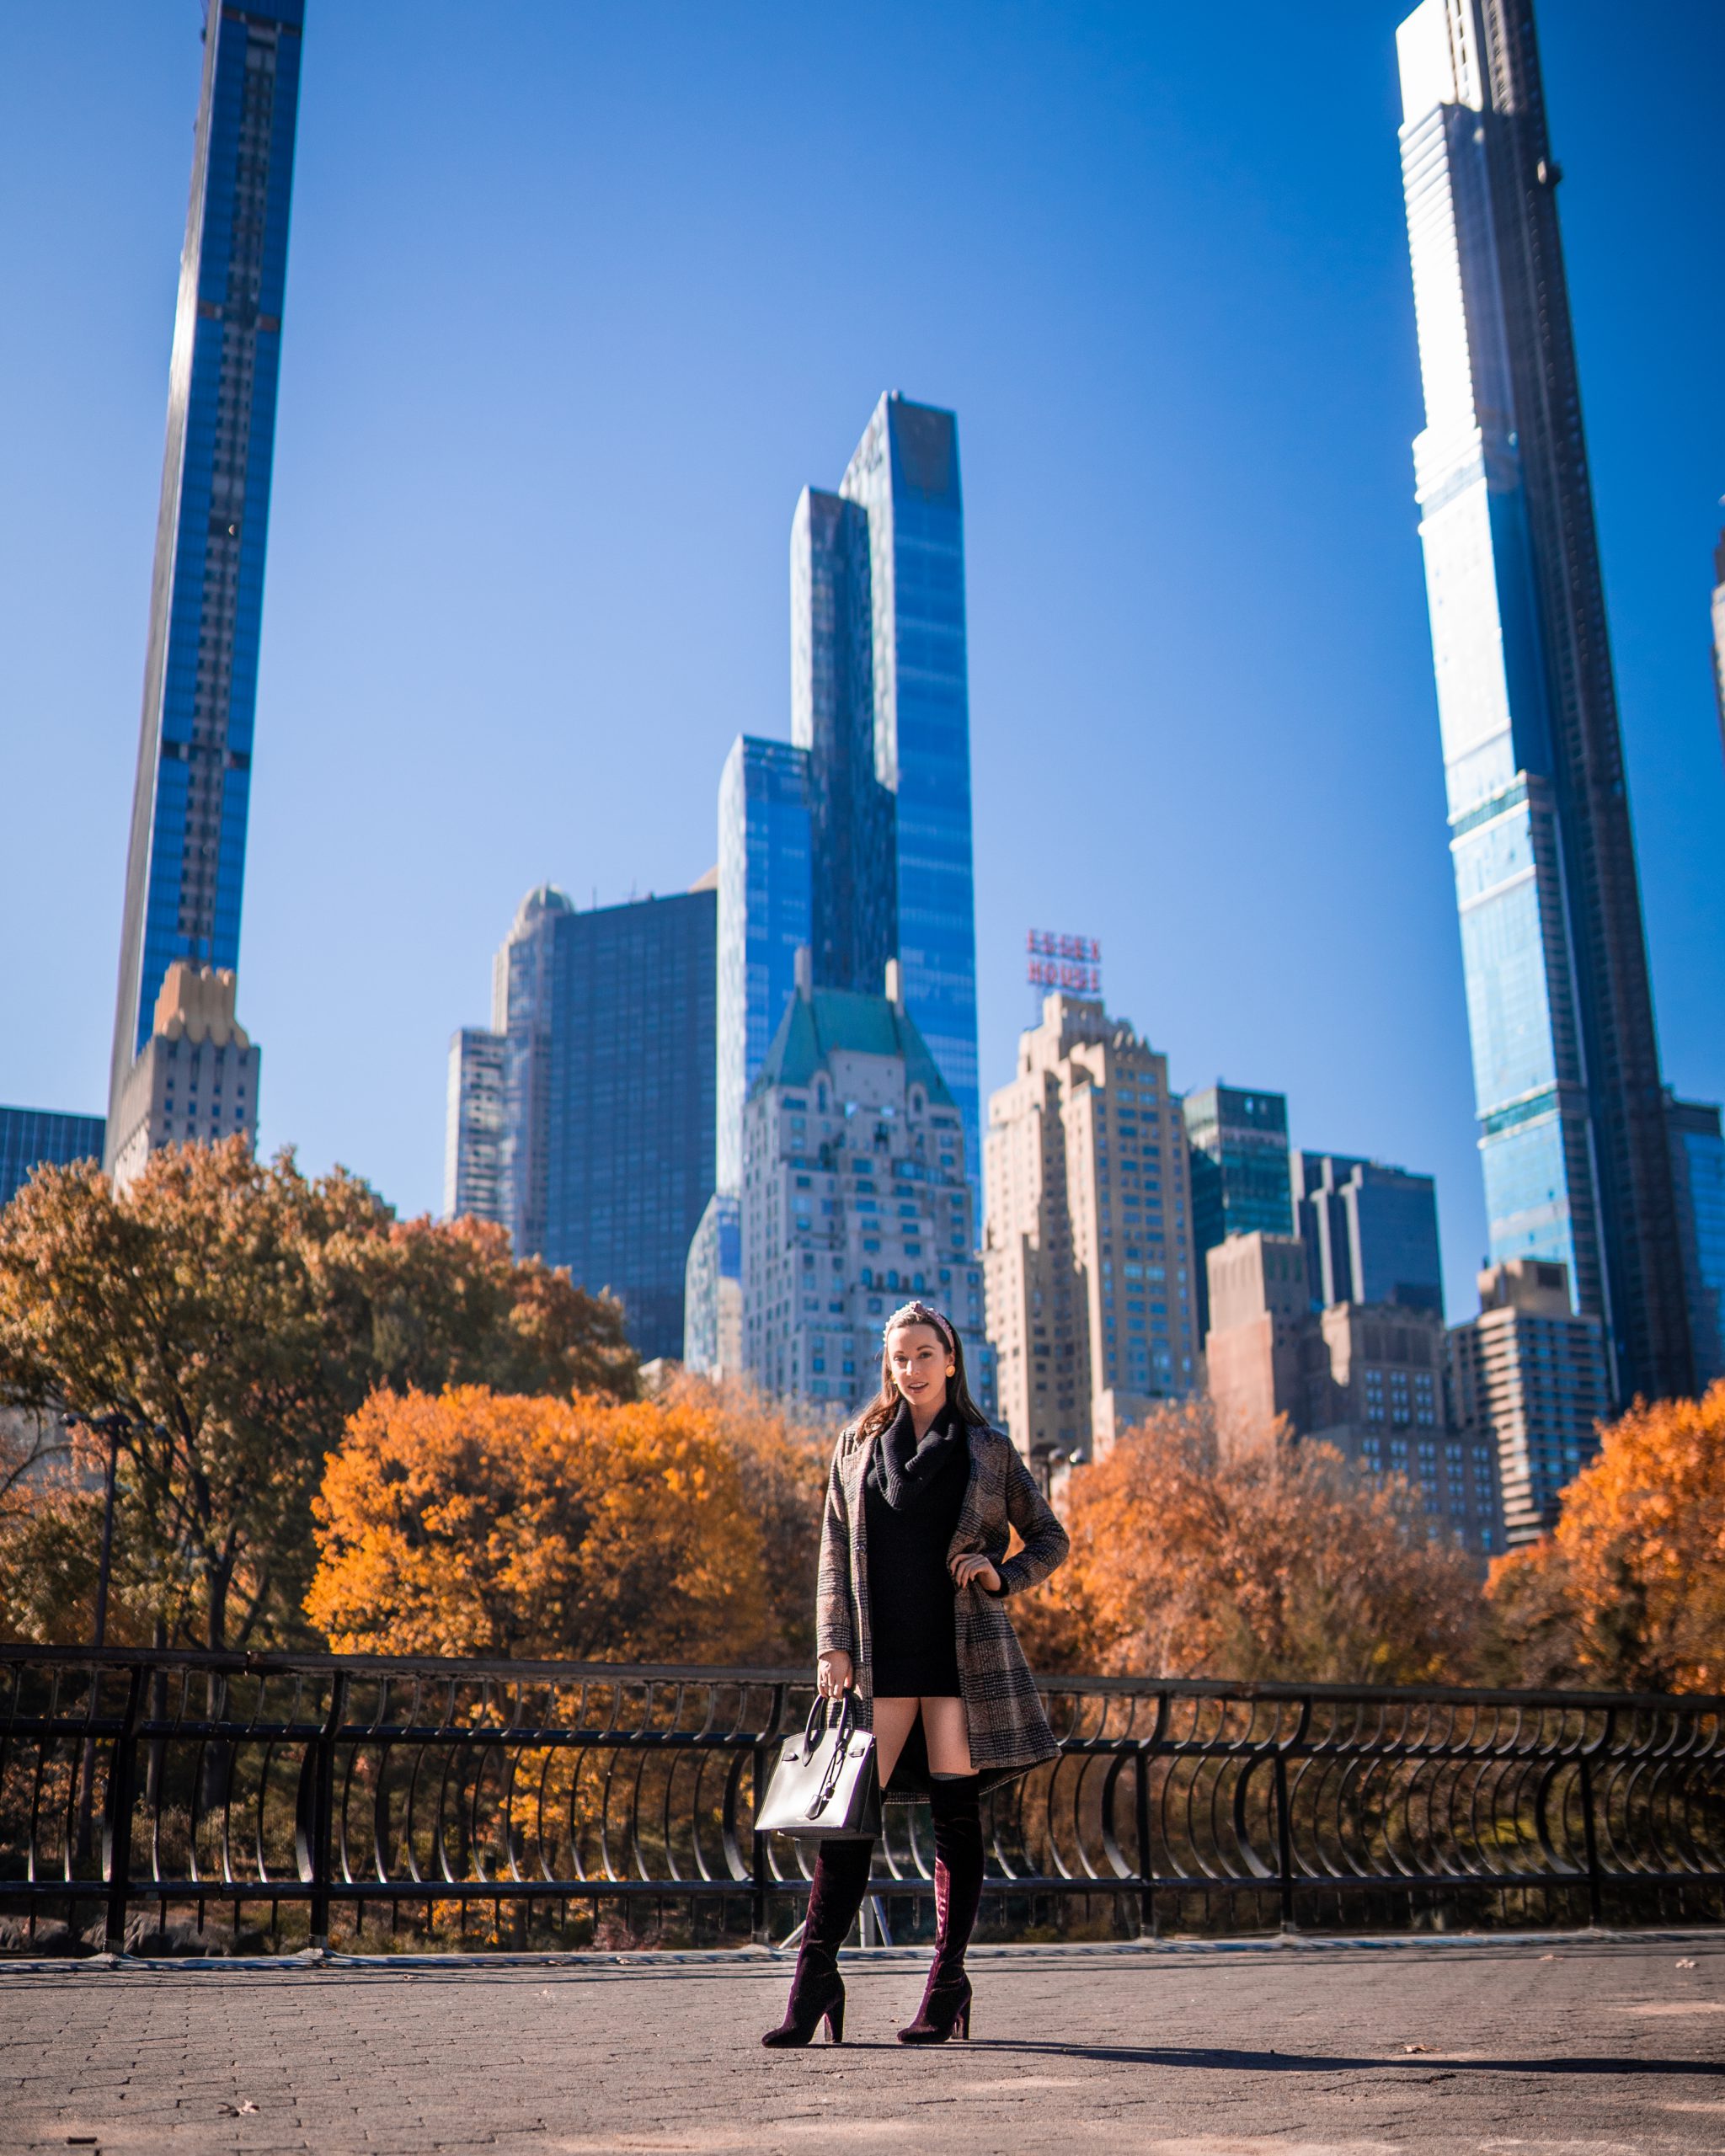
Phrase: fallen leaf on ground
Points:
(1685, 1965)
(1416, 2047)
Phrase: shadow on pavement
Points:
(1221, 2060)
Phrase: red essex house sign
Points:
(1073, 963)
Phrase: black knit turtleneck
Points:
(913, 1494)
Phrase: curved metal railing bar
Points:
(493, 1781)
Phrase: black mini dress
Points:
(912, 1495)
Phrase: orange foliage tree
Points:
(475, 1522)
(226, 1317)
(1268, 1562)
(783, 1457)
(1629, 1590)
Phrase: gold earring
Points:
(950, 1370)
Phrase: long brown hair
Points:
(881, 1410)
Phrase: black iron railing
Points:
(133, 1782)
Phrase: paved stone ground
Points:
(1526, 2046)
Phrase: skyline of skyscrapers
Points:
(1572, 1137)
(186, 865)
(874, 786)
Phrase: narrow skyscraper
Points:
(879, 698)
(1241, 1176)
(186, 862)
(1573, 1140)
(764, 900)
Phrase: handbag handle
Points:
(841, 1742)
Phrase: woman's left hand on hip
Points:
(975, 1571)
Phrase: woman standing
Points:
(911, 1612)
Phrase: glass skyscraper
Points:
(603, 1027)
(764, 900)
(1698, 1169)
(1370, 1233)
(1572, 1136)
(1240, 1170)
(32, 1138)
(472, 1158)
(879, 699)
(186, 862)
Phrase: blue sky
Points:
(579, 296)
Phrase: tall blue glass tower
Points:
(1572, 1137)
(879, 698)
(605, 1023)
(186, 862)
(764, 919)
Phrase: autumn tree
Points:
(1274, 1560)
(224, 1318)
(474, 1522)
(1629, 1590)
(782, 1457)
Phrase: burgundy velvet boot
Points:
(958, 1894)
(835, 1894)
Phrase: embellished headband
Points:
(921, 1314)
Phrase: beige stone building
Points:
(194, 1081)
(1088, 1255)
(1530, 1378)
(1367, 1378)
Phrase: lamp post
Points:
(111, 1426)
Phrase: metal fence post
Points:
(757, 1794)
(323, 1812)
(1146, 1859)
(1590, 1842)
(116, 1827)
(1285, 1842)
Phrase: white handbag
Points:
(825, 1785)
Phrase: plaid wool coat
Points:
(1008, 1730)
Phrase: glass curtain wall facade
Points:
(852, 823)
(764, 919)
(610, 1063)
(1240, 1179)
(473, 1159)
(1370, 1233)
(186, 862)
(880, 699)
(1698, 1166)
(35, 1138)
(1565, 1068)
(523, 983)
